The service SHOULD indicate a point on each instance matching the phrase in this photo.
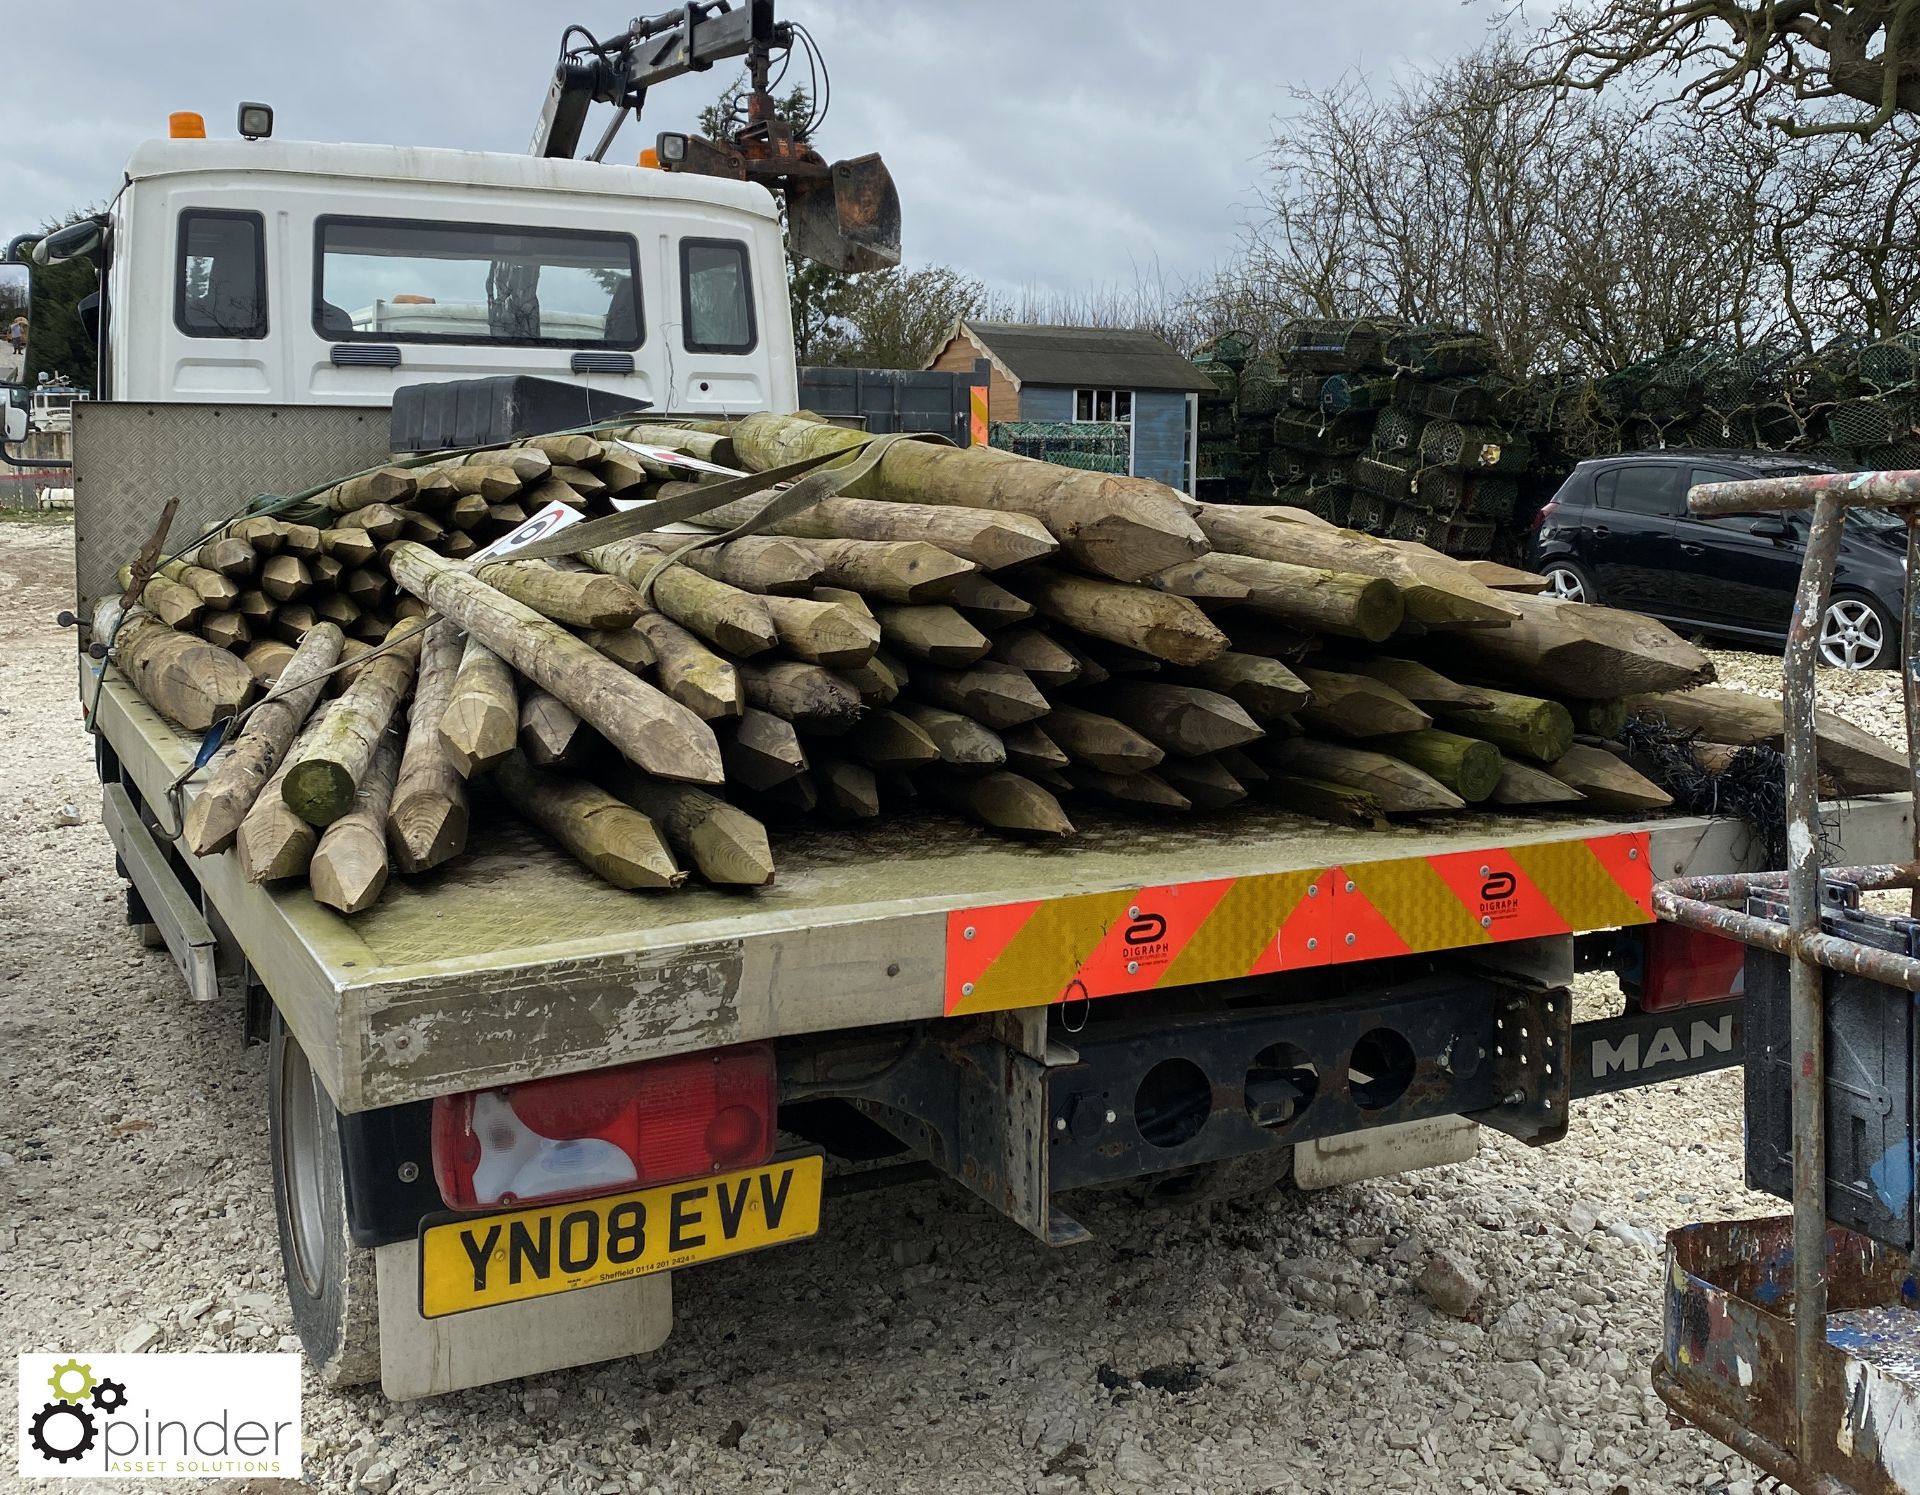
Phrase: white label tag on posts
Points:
(555, 517)
(679, 459)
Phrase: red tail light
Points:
(1540, 517)
(1684, 967)
(577, 1135)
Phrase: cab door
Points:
(219, 349)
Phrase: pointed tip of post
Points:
(347, 889)
(425, 830)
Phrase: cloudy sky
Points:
(1057, 144)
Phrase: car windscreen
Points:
(392, 280)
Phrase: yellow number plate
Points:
(478, 1261)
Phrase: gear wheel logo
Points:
(110, 1395)
(61, 1391)
(72, 1442)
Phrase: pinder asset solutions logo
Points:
(159, 1416)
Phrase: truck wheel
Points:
(330, 1281)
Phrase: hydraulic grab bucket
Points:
(848, 219)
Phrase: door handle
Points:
(1600, 532)
(1687, 547)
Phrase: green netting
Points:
(1304, 390)
(1285, 465)
(1447, 443)
(1831, 374)
(1336, 469)
(1448, 399)
(1220, 461)
(1898, 456)
(1404, 523)
(1262, 387)
(1390, 477)
(1441, 489)
(1322, 433)
(1343, 392)
(1093, 446)
(1432, 433)
(1490, 498)
(1368, 511)
(1472, 537)
(1666, 402)
(1892, 362)
(1643, 433)
(1777, 425)
(1709, 428)
(1435, 351)
(1335, 347)
(1334, 503)
(1397, 430)
(1231, 349)
(1216, 418)
(1867, 422)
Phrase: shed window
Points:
(1104, 405)
(220, 289)
(716, 296)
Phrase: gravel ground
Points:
(920, 1343)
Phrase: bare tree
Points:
(1578, 231)
(1551, 224)
(1787, 62)
(894, 319)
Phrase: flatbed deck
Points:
(514, 962)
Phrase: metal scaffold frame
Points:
(1730, 1351)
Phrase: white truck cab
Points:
(289, 272)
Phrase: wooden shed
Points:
(1134, 379)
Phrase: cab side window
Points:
(1645, 489)
(716, 297)
(220, 282)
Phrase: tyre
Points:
(1857, 633)
(1570, 581)
(330, 1281)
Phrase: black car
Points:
(1618, 532)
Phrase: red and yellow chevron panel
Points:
(1106, 944)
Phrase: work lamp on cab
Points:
(671, 149)
(256, 121)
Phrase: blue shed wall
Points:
(1037, 402)
(1159, 426)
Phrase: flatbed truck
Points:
(1150, 1003)
(508, 1103)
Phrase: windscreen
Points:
(389, 280)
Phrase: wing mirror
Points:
(1771, 527)
(70, 243)
(15, 289)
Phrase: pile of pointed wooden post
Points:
(961, 630)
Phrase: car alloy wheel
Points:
(1852, 636)
(1566, 583)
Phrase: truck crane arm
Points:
(845, 215)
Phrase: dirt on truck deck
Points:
(921, 1342)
